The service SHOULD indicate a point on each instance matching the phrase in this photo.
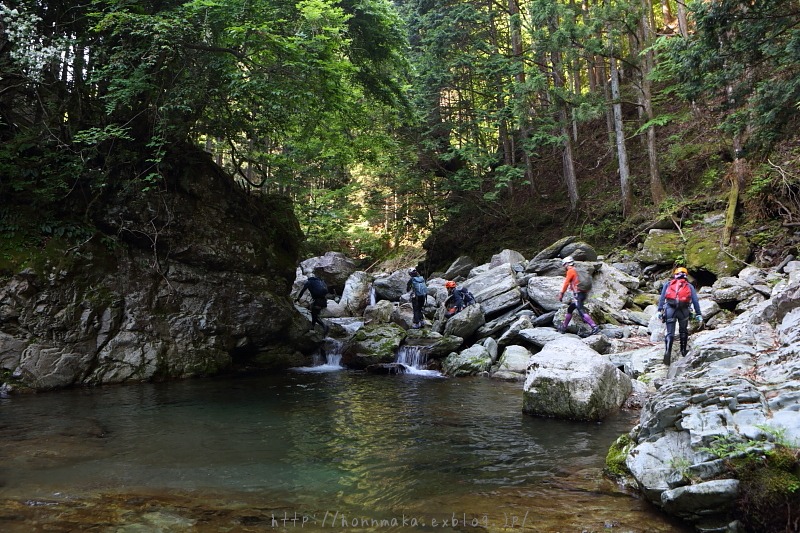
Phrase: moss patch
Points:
(769, 490)
(615, 458)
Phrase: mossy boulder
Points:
(704, 252)
(373, 344)
(470, 362)
(661, 247)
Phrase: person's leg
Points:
(669, 337)
(567, 318)
(580, 298)
(416, 304)
(683, 330)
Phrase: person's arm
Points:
(696, 302)
(663, 297)
(305, 286)
(571, 275)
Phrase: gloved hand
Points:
(661, 315)
(560, 296)
(698, 317)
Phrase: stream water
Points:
(312, 450)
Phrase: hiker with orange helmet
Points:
(572, 283)
(678, 295)
(454, 302)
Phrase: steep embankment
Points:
(190, 277)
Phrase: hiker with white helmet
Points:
(419, 294)
(580, 288)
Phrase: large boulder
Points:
(512, 364)
(661, 247)
(372, 345)
(496, 289)
(466, 322)
(511, 257)
(392, 286)
(460, 268)
(567, 379)
(334, 267)
(473, 361)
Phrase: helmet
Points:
(450, 284)
(680, 271)
(567, 260)
(412, 271)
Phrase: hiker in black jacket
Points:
(318, 290)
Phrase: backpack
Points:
(418, 286)
(679, 292)
(317, 287)
(466, 297)
(584, 280)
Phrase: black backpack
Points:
(317, 287)
(466, 297)
(584, 280)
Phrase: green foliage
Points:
(745, 56)
(615, 458)
(769, 489)
(605, 229)
(728, 446)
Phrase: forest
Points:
(460, 125)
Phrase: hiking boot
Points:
(561, 328)
(595, 330)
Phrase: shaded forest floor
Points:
(694, 162)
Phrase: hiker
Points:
(419, 294)
(580, 289)
(457, 299)
(677, 297)
(318, 290)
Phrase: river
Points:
(335, 450)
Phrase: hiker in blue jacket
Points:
(677, 298)
(419, 294)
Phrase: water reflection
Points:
(353, 443)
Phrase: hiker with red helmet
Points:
(457, 299)
(580, 289)
(678, 295)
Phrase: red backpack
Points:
(679, 292)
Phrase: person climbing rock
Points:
(678, 295)
(580, 285)
(318, 290)
(457, 299)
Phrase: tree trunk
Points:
(683, 24)
(657, 192)
(567, 159)
(622, 154)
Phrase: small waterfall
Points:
(327, 359)
(372, 297)
(415, 359)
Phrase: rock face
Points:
(568, 379)
(736, 393)
(185, 281)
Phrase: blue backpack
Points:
(418, 286)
